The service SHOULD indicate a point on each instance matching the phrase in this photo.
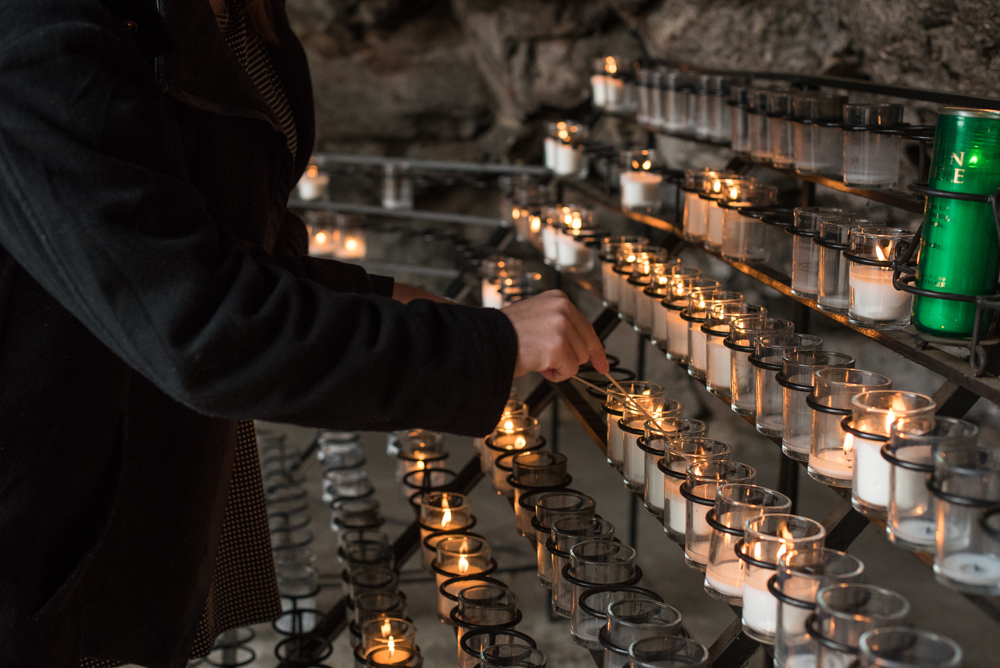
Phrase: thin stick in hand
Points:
(629, 398)
(591, 385)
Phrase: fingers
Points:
(594, 348)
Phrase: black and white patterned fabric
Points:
(253, 55)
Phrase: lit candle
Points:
(573, 252)
(458, 556)
(323, 241)
(726, 577)
(720, 368)
(442, 511)
(695, 215)
(835, 464)
(872, 299)
(313, 184)
(353, 246)
(569, 159)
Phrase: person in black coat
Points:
(155, 291)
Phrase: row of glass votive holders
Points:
(564, 149)
(704, 304)
(666, 279)
(569, 239)
(612, 84)
(611, 248)
(493, 270)
(678, 453)
(768, 360)
(820, 134)
(649, 396)
(641, 467)
(634, 270)
(677, 102)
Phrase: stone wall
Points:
(474, 79)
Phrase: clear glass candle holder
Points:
(800, 576)
(668, 652)
(378, 604)
(676, 457)
(393, 657)
(703, 481)
(765, 540)
(298, 586)
(360, 579)
(460, 556)
(555, 219)
(570, 159)
(378, 633)
(603, 67)
(418, 483)
(831, 450)
(592, 611)
(577, 249)
(610, 247)
(638, 279)
(654, 443)
(641, 181)
(760, 138)
(647, 79)
(517, 432)
(910, 454)
(718, 357)
(743, 331)
(344, 538)
(474, 641)
(676, 96)
(650, 311)
(719, 113)
(524, 504)
(874, 301)
(675, 303)
(549, 508)
(532, 471)
(833, 282)
(419, 454)
(779, 128)
(872, 416)
(819, 141)
(356, 514)
(567, 532)
(699, 183)
(503, 468)
(805, 253)
(905, 647)
(485, 607)
(442, 511)
(844, 612)
(703, 107)
(796, 380)
(634, 620)
(596, 562)
(966, 481)
(515, 655)
(346, 483)
(734, 505)
(724, 192)
(492, 269)
(768, 361)
(872, 149)
(520, 286)
(335, 455)
(635, 425)
(746, 238)
(701, 304)
(739, 130)
(648, 395)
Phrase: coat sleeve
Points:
(96, 207)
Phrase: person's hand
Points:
(407, 293)
(553, 337)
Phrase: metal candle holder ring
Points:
(492, 568)
(814, 633)
(493, 633)
(903, 464)
(476, 577)
(603, 614)
(728, 342)
(456, 618)
(290, 648)
(573, 580)
(772, 587)
(820, 408)
(797, 387)
(697, 500)
(437, 531)
(294, 616)
(848, 427)
(935, 488)
(747, 559)
(424, 488)
(567, 481)
(641, 442)
(760, 364)
(630, 430)
(667, 471)
(602, 637)
(715, 524)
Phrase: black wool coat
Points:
(154, 290)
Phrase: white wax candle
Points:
(445, 604)
(659, 323)
(713, 224)
(654, 483)
(624, 288)
(550, 243)
(720, 369)
(698, 533)
(550, 145)
(910, 487)
(313, 185)
(726, 577)
(675, 505)
(571, 252)
(644, 311)
(616, 440)
(835, 464)
(491, 294)
(871, 473)
(569, 160)
(615, 91)
(915, 530)
(599, 90)
(760, 607)
(635, 462)
(697, 346)
(873, 297)
(640, 189)
(695, 209)
(609, 281)
(980, 570)
(677, 334)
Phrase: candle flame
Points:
(717, 186)
(420, 465)
(515, 214)
(577, 223)
(568, 219)
(463, 565)
(610, 66)
(564, 136)
(882, 256)
(313, 171)
(351, 244)
(848, 443)
(392, 646)
(635, 164)
(734, 193)
(757, 550)
(561, 125)
(647, 164)
(321, 237)
(890, 420)
(386, 628)
(536, 223)
(508, 425)
(446, 518)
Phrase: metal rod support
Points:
(411, 214)
(428, 165)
